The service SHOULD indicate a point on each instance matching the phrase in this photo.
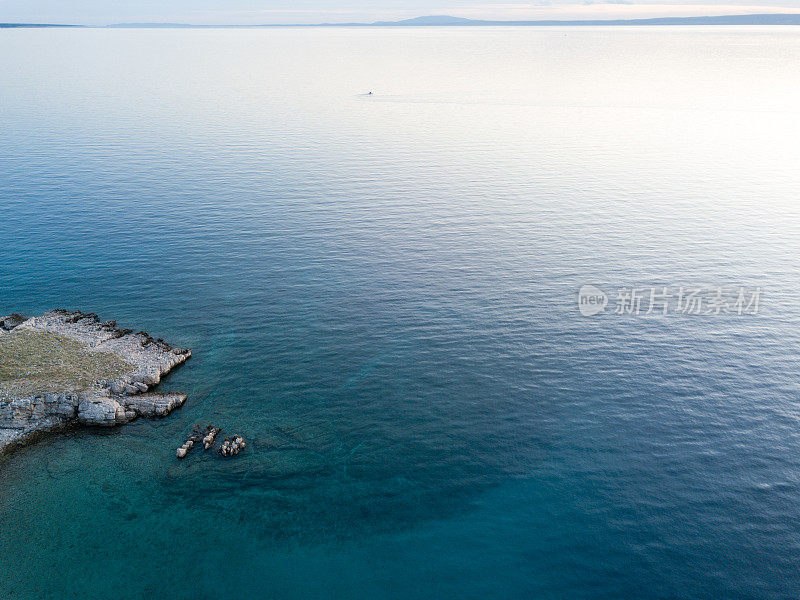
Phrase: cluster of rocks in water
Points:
(27, 411)
(230, 447)
(211, 435)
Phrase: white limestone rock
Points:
(103, 402)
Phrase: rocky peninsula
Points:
(68, 368)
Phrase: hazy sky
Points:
(316, 11)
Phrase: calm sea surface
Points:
(380, 292)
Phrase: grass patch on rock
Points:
(33, 362)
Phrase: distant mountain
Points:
(435, 20)
(450, 21)
(155, 25)
(447, 21)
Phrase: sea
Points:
(524, 322)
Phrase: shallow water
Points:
(380, 294)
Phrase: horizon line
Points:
(451, 21)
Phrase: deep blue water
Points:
(380, 295)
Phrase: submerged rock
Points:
(66, 368)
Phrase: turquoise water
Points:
(380, 295)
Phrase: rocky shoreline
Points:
(68, 368)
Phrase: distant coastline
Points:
(2, 25)
(749, 19)
(448, 21)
